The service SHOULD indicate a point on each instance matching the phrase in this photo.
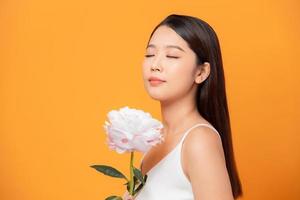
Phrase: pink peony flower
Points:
(131, 130)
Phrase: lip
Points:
(155, 81)
(153, 78)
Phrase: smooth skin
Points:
(169, 57)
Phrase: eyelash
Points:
(167, 56)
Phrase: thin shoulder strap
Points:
(196, 125)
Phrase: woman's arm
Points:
(206, 167)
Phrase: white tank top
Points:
(166, 180)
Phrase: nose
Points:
(156, 65)
(155, 68)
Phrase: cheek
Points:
(145, 69)
(181, 76)
(181, 71)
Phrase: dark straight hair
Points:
(211, 95)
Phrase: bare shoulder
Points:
(202, 140)
(205, 164)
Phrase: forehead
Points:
(165, 37)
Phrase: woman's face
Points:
(168, 57)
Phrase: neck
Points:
(179, 114)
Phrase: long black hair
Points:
(211, 94)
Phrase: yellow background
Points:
(65, 64)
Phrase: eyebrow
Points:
(166, 46)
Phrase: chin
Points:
(156, 95)
(156, 98)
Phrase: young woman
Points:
(183, 70)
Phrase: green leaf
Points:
(127, 186)
(109, 171)
(138, 174)
(135, 181)
(141, 185)
(145, 178)
(114, 198)
(138, 189)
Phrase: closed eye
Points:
(172, 57)
(175, 57)
(149, 55)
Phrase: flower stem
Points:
(131, 173)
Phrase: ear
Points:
(203, 72)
